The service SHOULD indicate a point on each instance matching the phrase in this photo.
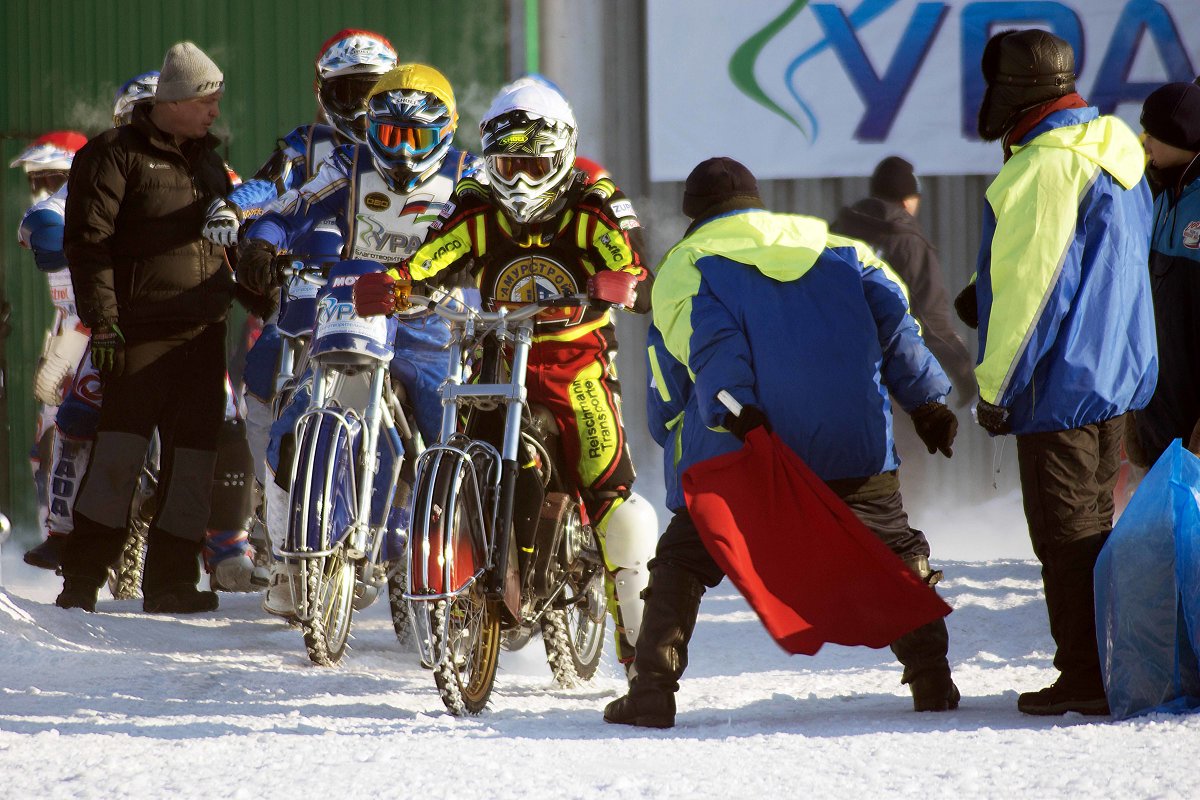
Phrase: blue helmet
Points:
(133, 92)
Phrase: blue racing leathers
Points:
(379, 224)
(295, 162)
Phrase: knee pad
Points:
(233, 480)
(630, 537)
(630, 533)
(116, 463)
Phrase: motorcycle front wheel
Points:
(330, 581)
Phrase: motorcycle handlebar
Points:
(517, 314)
(288, 267)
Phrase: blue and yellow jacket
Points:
(673, 418)
(1066, 331)
(808, 326)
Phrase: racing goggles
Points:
(507, 169)
(346, 95)
(416, 139)
(46, 182)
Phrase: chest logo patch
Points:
(377, 201)
(1191, 235)
(530, 278)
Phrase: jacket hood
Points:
(1105, 140)
(872, 218)
(780, 246)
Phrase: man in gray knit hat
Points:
(155, 295)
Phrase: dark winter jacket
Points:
(896, 237)
(135, 208)
(1175, 286)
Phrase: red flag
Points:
(810, 569)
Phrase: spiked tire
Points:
(326, 626)
(467, 644)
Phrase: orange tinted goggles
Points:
(397, 138)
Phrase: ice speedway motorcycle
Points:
(500, 547)
(344, 532)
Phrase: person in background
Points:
(155, 295)
(46, 162)
(1171, 120)
(887, 220)
(809, 333)
(1066, 326)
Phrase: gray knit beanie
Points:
(186, 73)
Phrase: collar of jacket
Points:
(1035, 116)
(1182, 180)
(163, 140)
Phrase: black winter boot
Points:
(923, 654)
(48, 554)
(672, 603)
(78, 593)
(1067, 576)
(171, 574)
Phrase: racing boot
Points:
(672, 603)
(278, 599)
(171, 574)
(229, 560)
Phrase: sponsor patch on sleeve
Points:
(623, 208)
(629, 224)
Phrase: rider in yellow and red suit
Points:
(538, 228)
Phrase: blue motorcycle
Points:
(345, 531)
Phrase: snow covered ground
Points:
(125, 704)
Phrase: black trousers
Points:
(1067, 482)
(876, 501)
(176, 385)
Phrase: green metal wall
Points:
(62, 62)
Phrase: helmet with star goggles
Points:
(135, 91)
(348, 66)
(411, 119)
(529, 137)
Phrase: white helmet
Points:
(47, 160)
(135, 91)
(348, 66)
(529, 137)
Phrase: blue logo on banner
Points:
(884, 95)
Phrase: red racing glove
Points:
(613, 286)
(379, 293)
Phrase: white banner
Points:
(800, 89)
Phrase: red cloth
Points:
(810, 569)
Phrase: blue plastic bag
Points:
(1148, 593)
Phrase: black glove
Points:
(260, 305)
(966, 305)
(937, 426)
(993, 419)
(256, 268)
(108, 351)
(751, 417)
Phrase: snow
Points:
(125, 704)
